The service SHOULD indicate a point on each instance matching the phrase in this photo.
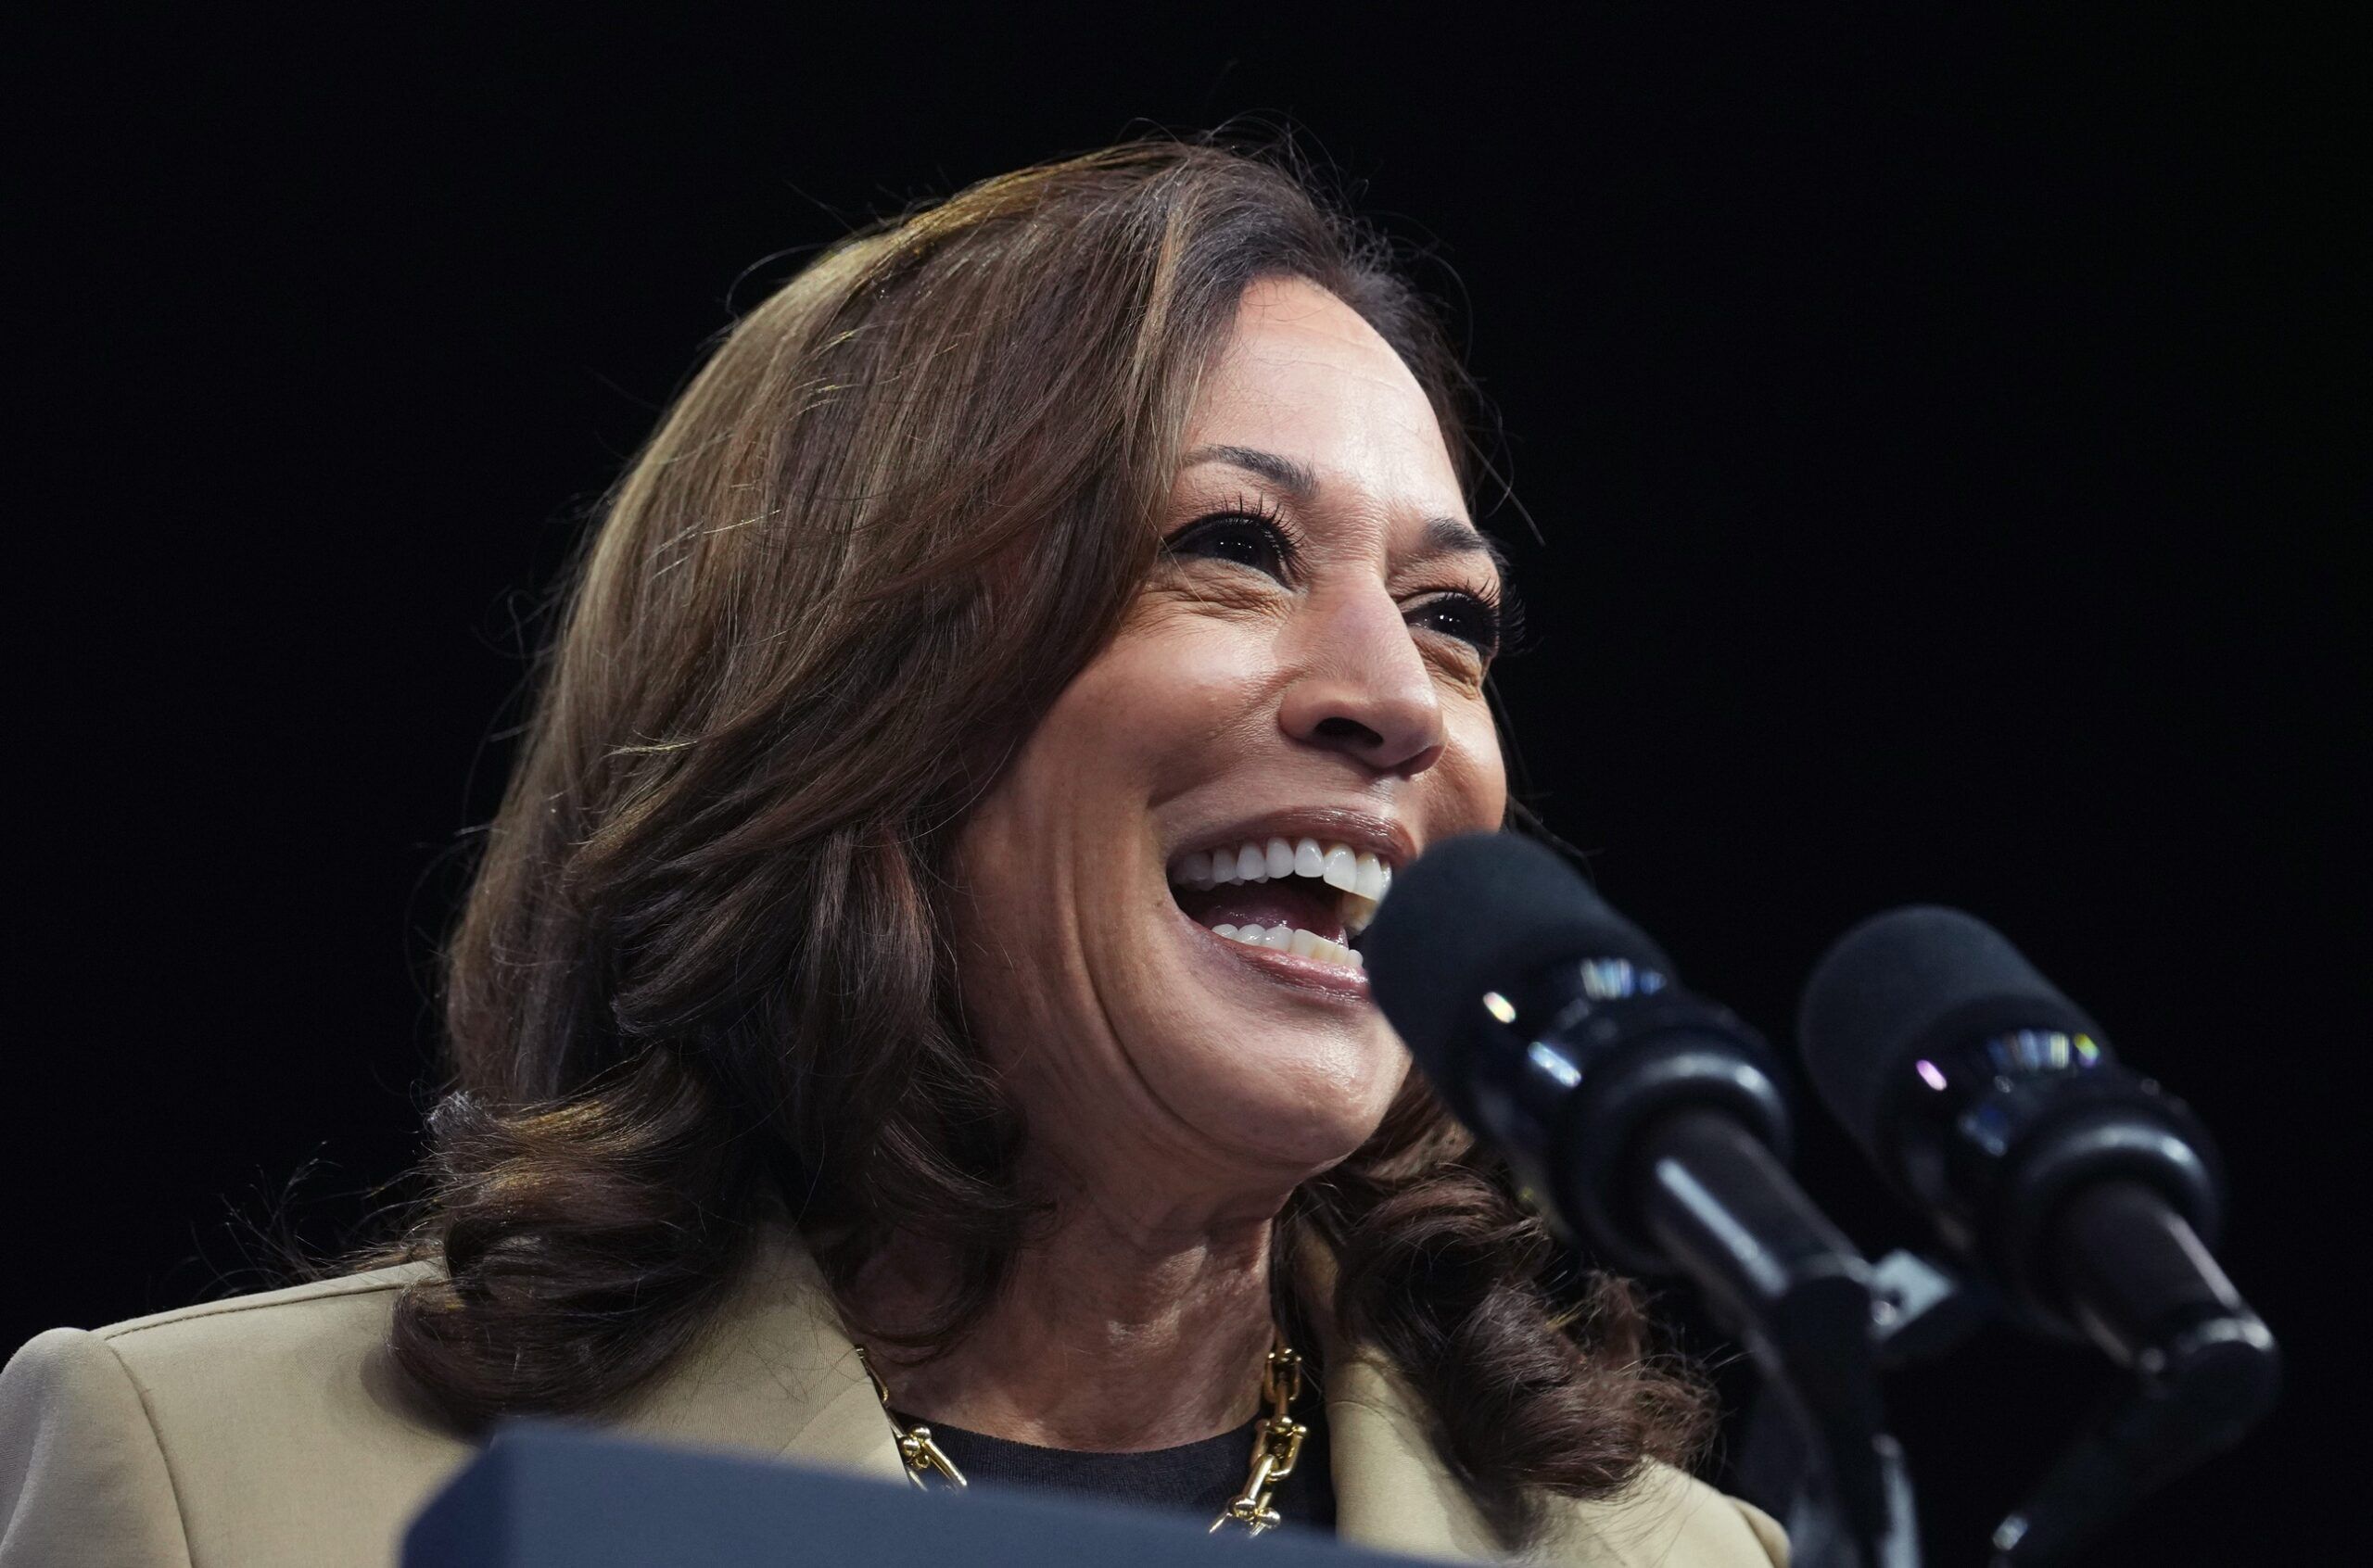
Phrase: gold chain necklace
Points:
(1276, 1444)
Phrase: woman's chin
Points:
(1295, 1103)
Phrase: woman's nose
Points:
(1364, 689)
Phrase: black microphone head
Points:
(1474, 914)
(1908, 983)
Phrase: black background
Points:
(1947, 435)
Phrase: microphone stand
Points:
(1919, 1312)
(1809, 1308)
(2206, 1370)
(2204, 1374)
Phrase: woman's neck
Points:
(1112, 1333)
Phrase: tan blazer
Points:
(271, 1432)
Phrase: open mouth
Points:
(1307, 897)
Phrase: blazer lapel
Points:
(776, 1373)
(1393, 1493)
(1390, 1490)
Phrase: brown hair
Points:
(704, 970)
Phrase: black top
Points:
(1199, 1478)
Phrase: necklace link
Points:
(1281, 1377)
(922, 1456)
(1276, 1445)
(915, 1445)
(1277, 1438)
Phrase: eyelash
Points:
(1490, 616)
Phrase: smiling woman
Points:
(909, 1011)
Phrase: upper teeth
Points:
(1362, 877)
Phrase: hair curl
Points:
(703, 972)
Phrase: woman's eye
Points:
(1245, 542)
(1461, 615)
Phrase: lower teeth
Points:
(1293, 939)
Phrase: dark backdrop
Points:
(1947, 437)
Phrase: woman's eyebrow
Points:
(1442, 536)
(1297, 479)
(1452, 536)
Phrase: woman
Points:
(907, 1004)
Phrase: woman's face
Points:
(1298, 690)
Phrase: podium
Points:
(544, 1495)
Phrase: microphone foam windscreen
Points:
(1908, 982)
(1475, 913)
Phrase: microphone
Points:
(2084, 1194)
(1650, 1121)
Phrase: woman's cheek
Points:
(1188, 681)
(1475, 768)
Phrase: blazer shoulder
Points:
(82, 1478)
(296, 1384)
(308, 1359)
(311, 1351)
(260, 1319)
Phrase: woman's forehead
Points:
(1305, 377)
